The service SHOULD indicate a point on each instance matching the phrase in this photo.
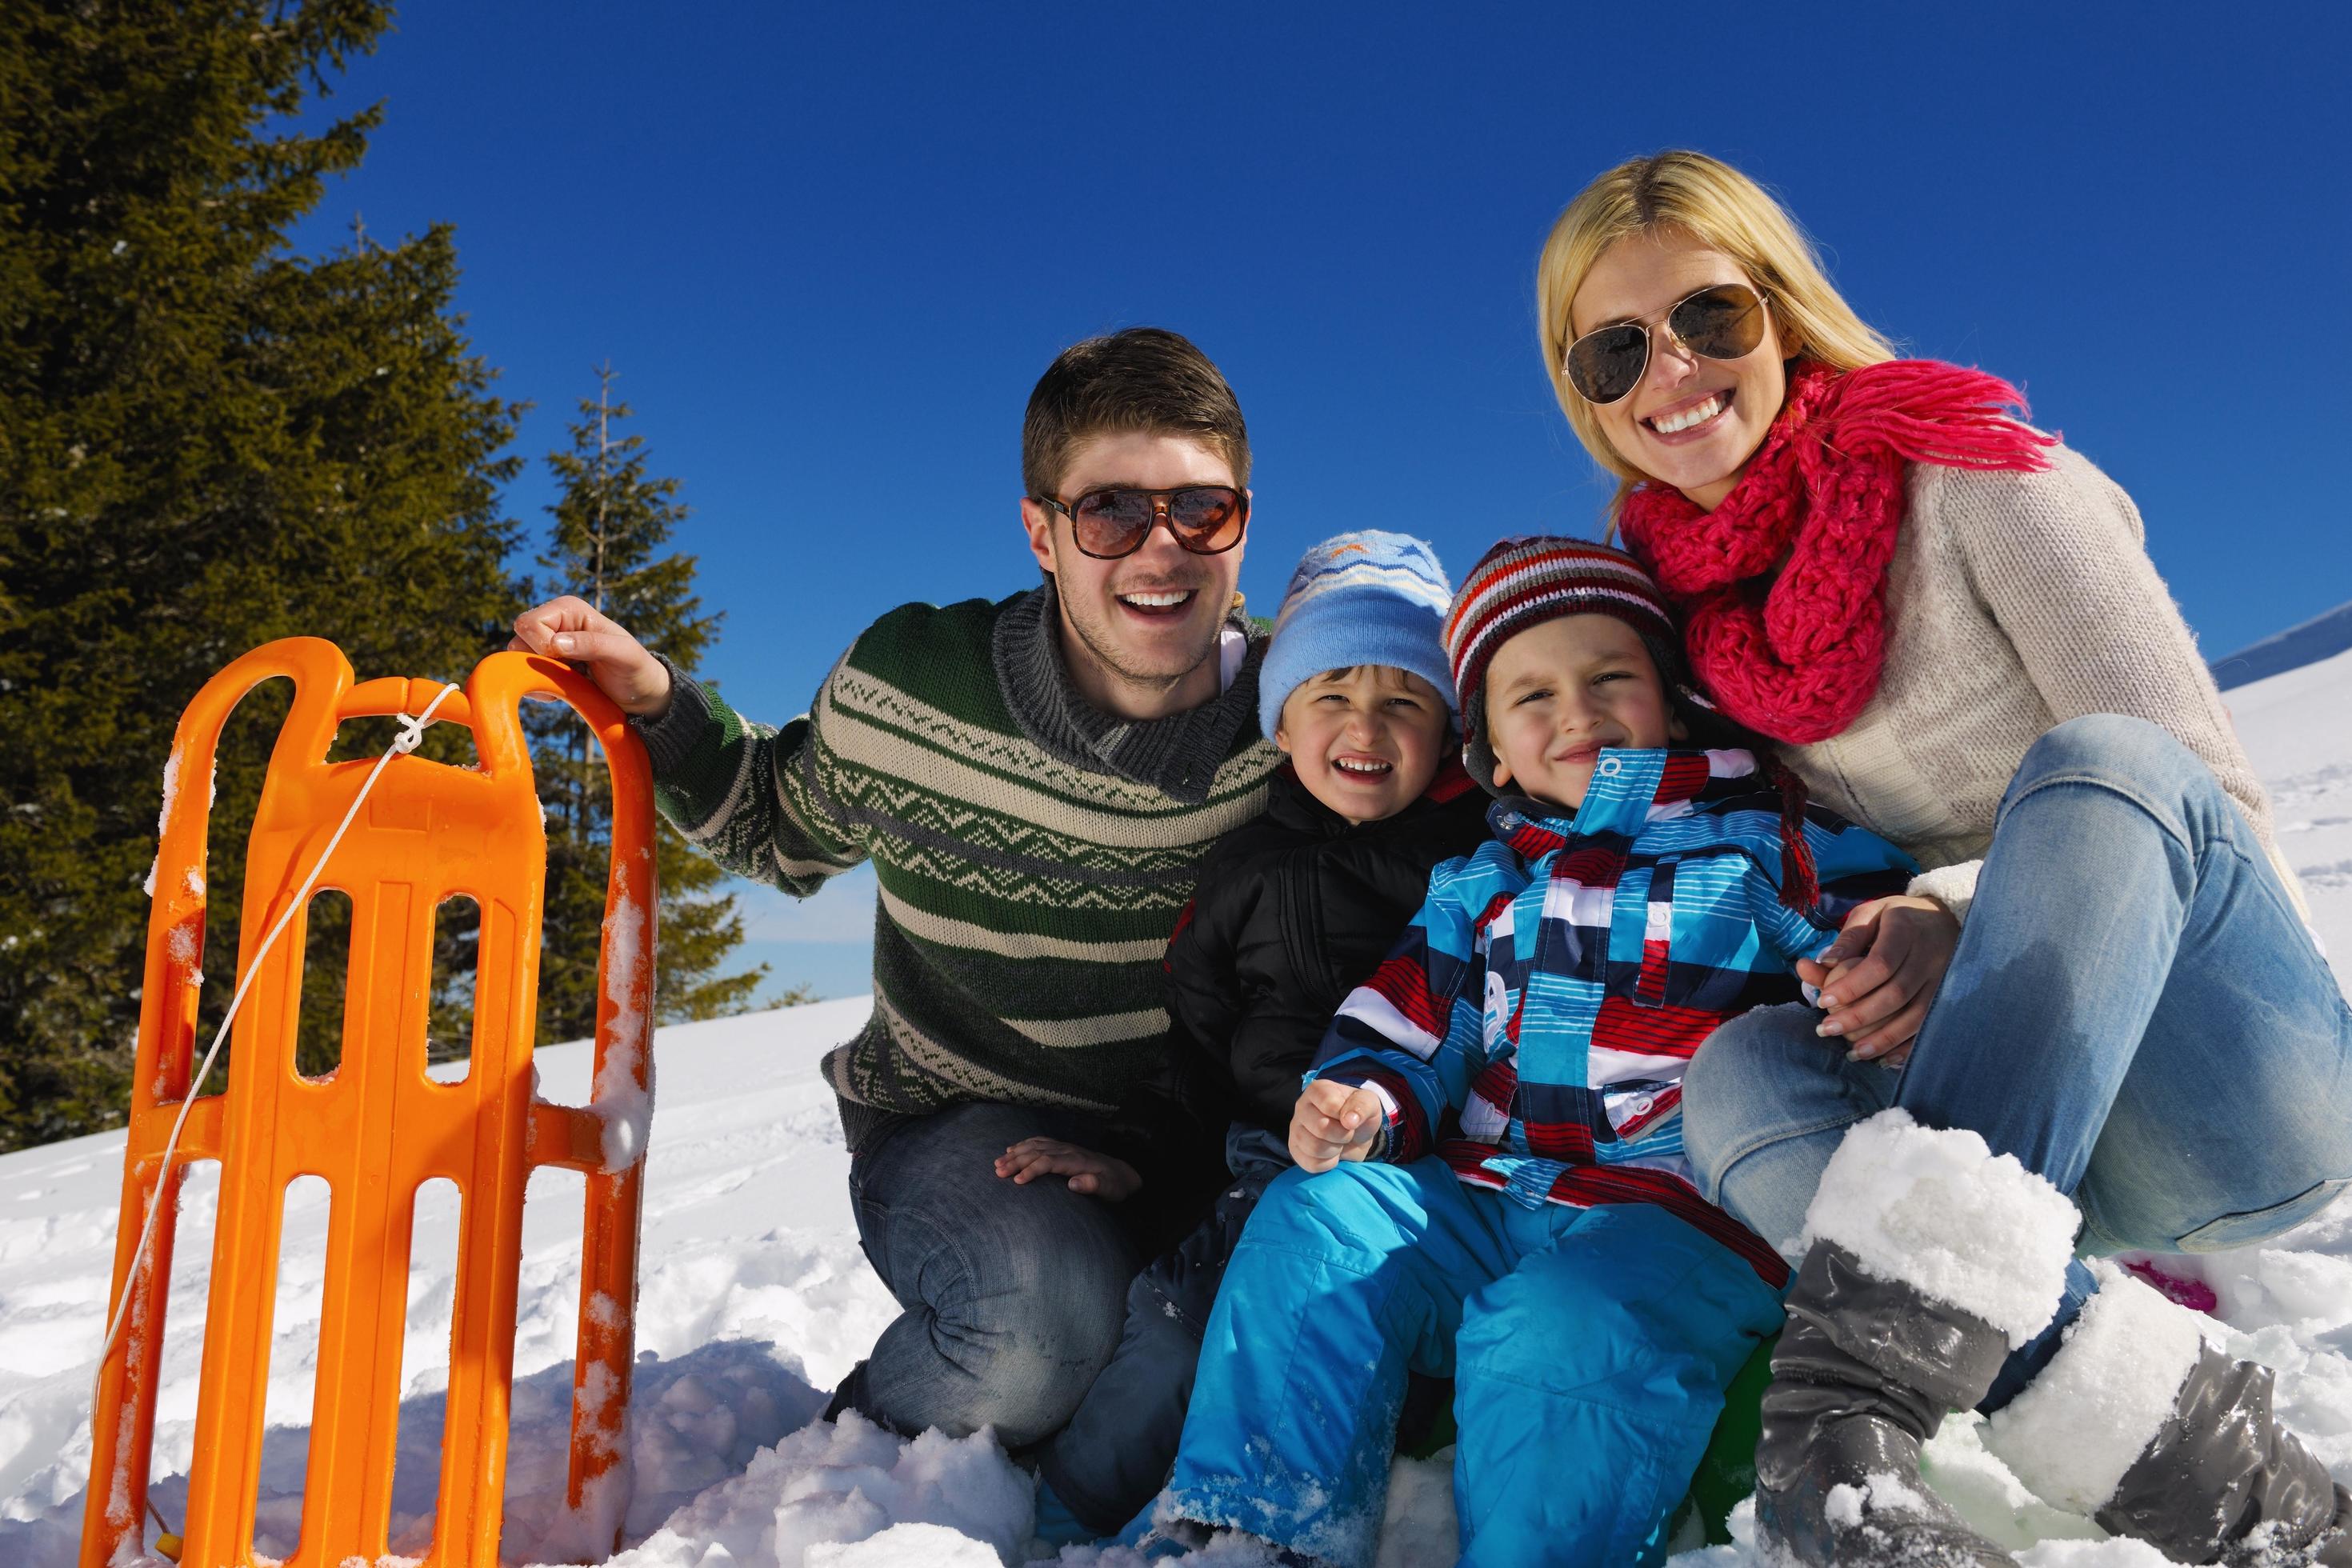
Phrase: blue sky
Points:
(829, 248)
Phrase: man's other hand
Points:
(1100, 1175)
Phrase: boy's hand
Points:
(1879, 977)
(1334, 1121)
(571, 628)
(1101, 1175)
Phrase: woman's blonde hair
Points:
(1722, 209)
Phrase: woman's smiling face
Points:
(1713, 412)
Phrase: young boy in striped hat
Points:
(1491, 1182)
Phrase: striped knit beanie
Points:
(1523, 583)
(1367, 598)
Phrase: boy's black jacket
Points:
(1294, 909)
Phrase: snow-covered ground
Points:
(755, 1300)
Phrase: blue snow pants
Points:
(1589, 1349)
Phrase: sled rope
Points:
(412, 733)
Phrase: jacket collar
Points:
(1630, 790)
(1178, 756)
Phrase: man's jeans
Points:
(2135, 1010)
(1014, 1295)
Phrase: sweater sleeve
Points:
(1415, 1030)
(2060, 559)
(762, 802)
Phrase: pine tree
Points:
(205, 442)
(605, 545)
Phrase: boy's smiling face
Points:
(1561, 691)
(1366, 741)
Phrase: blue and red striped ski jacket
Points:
(1531, 1026)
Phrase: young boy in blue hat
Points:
(1292, 912)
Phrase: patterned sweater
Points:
(1544, 1001)
(1031, 851)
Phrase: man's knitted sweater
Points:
(1033, 852)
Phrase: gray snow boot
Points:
(1865, 1373)
(1928, 1261)
(2156, 1435)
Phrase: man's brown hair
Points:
(1145, 378)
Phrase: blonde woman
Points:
(2118, 1026)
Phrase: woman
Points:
(1949, 623)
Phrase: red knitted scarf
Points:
(1796, 657)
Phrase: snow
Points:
(849, 1482)
(624, 1080)
(2297, 732)
(1934, 1209)
(754, 1300)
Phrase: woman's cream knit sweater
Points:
(2014, 601)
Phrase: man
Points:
(1034, 781)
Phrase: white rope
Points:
(412, 732)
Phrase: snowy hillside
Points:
(2298, 729)
(755, 1298)
(2321, 637)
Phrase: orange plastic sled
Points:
(378, 1127)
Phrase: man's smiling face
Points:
(1140, 634)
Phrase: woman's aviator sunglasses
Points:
(1206, 520)
(1725, 321)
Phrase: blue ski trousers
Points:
(1589, 1349)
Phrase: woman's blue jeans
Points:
(2135, 1010)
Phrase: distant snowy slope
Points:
(2322, 636)
(755, 1300)
(2297, 731)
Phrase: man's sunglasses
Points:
(1725, 321)
(1206, 520)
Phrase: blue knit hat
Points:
(1367, 598)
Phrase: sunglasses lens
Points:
(1603, 366)
(1721, 324)
(1111, 522)
(1208, 519)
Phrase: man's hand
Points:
(1098, 1174)
(571, 628)
(1334, 1121)
(1878, 979)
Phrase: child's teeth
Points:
(1350, 765)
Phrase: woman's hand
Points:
(1334, 1121)
(1100, 1175)
(571, 628)
(1878, 979)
